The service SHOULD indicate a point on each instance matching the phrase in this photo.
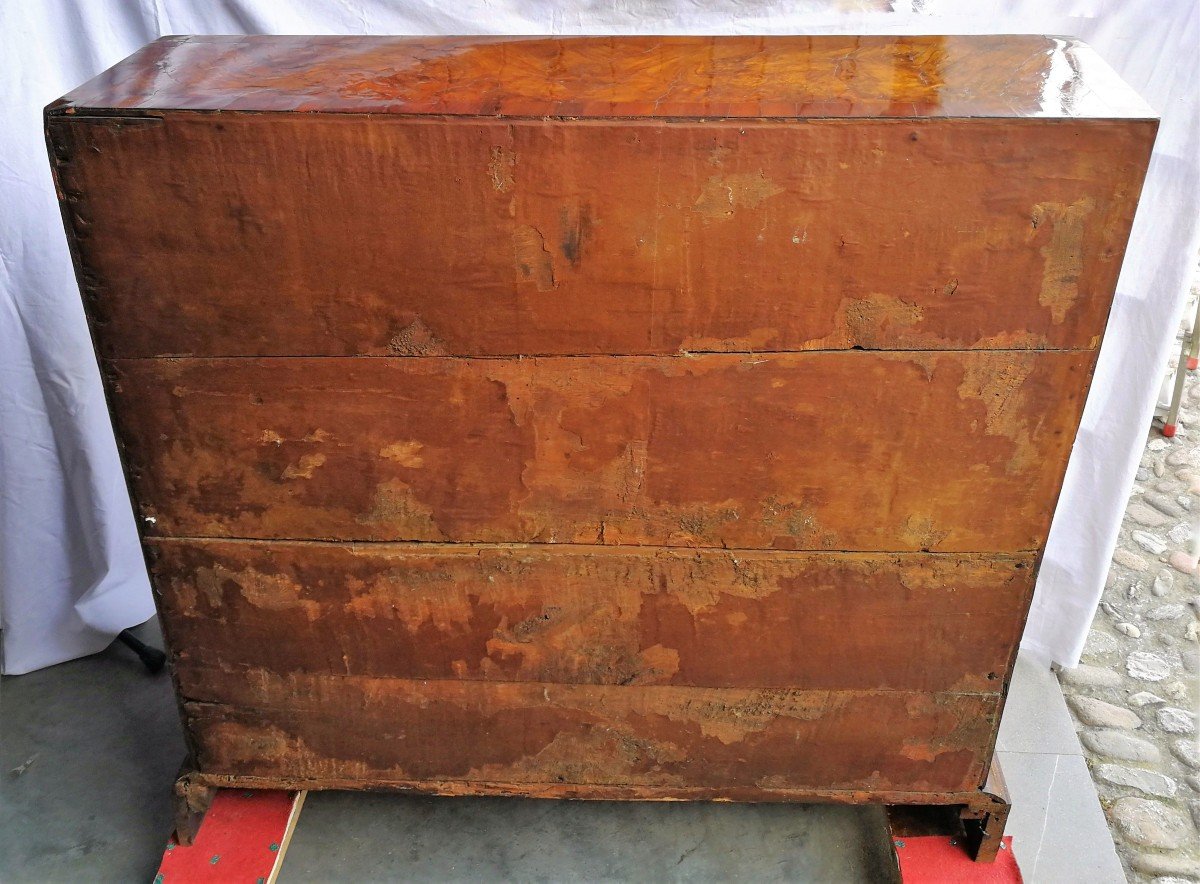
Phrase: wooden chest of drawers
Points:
(601, 418)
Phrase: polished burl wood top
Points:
(624, 77)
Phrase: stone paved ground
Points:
(1135, 695)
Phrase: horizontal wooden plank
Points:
(593, 792)
(376, 729)
(838, 450)
(310, 235)
(1010, 75)
(594, 615)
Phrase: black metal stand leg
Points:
(153, 658)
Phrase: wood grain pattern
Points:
(844, 451)
(412, 237)
(594, 615)
(1008, 76)
(323, 728)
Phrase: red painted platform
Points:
(243, 839)
(935, 859)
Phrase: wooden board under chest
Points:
(629, 418)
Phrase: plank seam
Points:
(541, 546)
(853, 796)
(680, 354)
(416, 784)
(572, 685)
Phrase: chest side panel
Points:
(593, 458)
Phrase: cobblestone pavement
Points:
(1134, 697)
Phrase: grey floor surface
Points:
(498, 839)
(88, 751)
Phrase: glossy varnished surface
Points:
(827, 76)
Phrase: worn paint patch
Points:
(574, 645)
(406, 453)
(1019, 339)
(762, 338)
(926, 361)
(658, 664)
(921, 532)
(415, 339)
(275, 592)
(210, 582)
(701, 523)
(605, 752)
(500, 169)
(716, 156)
(633, 473)
(183, 592)
(271, 437)
(955, 731)
(877, 319)
(732, 721)
(998, 385)
(532, 259)
(416, 598)
(700, 583)
(1063, 254)
(795, 525)
(395, 505)
(271, 592)
(231, 743)
(304, 467)
(723, 195)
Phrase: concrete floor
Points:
(88, 751)
(387, 837)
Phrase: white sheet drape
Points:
(71, 574)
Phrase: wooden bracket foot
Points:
(976, 826)
(192, 801)
(984, 821)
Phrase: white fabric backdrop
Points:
(71, 574)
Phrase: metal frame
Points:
(1189, 357)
